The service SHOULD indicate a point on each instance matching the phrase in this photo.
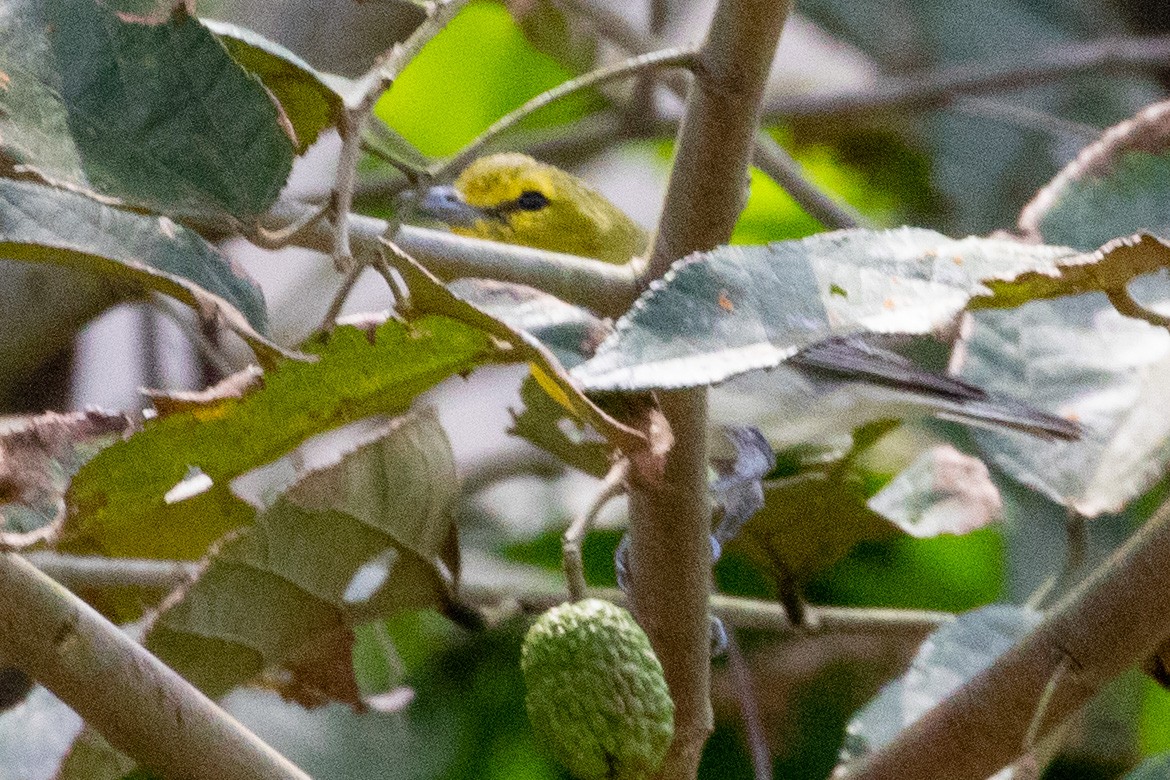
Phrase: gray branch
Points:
(141, 706)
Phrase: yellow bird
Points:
(515, 199)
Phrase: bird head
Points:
(515, 199)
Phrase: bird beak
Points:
(445, 204)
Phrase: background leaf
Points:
(1081, 358)
(279, 593)
(162, 116)
(1116, 186)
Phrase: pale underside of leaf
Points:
(1081, 358)
(46, 225)
(738, 309)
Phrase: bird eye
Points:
(531, 200)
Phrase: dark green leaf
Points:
(34, 127)
(118, 501)
(162, 116)
(46, 225)
(309, 102)
(1118, 185)
(283, 592)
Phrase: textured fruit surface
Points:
(596, 693)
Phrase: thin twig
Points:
(938, 88)
(675, 57)
(348, 281)
(770, 157)
(492, 587)
(141, 706)
(612, 486)
(745, 695)
(358, 108)
(1127, 306)
(210, 351)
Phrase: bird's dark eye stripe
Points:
(531, 200)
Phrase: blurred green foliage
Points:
(478, 69)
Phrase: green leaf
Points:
(162, 116)
(1080, 358)
(718, 314)
(1118, 185)
(38, 457)
(815, 514)
(548, 425)
(90, 757)
(282, 593)
(34, 128)
(45, 225)
(477, 69)
(118, 501)
(949, 657)
(310, 103)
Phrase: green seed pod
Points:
(596, 693)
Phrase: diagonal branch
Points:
(141, 706)
(1117, 617)
(770, 157)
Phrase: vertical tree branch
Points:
(141, 706)
(670, 514)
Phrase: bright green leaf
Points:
(118, 500)
(475, 71)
